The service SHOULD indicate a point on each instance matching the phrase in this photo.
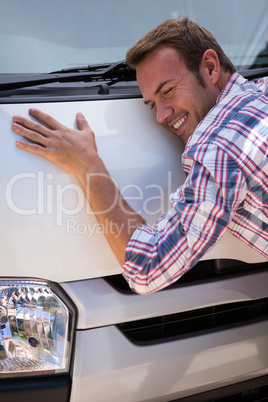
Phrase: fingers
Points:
(50, 134)
(47, 125)
(32, 148)
(68, 148)
(36, 131)
(45, 119)
(29, 129)
(81, 122)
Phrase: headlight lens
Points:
(36, 329)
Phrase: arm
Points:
(76, 152)
(201, 211)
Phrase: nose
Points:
(163, 112)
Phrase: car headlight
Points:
(36, 329)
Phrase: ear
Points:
(211, 65)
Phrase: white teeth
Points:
(179, 123)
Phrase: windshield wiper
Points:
(252, 73)
(109, 73)
(90, 67)
(114, 72)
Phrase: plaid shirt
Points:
(226, 188)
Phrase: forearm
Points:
(115, 216)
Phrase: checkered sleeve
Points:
(201, 210)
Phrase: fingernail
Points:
(20, 144)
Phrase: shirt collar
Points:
(233, 84)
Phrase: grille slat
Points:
(194, 322)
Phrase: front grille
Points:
(253, 390)
(195, 322)
(203, 272)
(259, 394)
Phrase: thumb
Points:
(81, 121)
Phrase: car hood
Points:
(47, 227)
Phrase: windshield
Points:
(43, 36)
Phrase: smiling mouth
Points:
(180, 122)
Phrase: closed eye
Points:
(168, 90)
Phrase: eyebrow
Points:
(158, 89)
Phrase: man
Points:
(186, 78)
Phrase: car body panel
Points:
(46, 208)
(109, 367)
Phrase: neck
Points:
(224, 77)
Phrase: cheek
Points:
(202, 105)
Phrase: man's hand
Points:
(72, 150)
(76, 152)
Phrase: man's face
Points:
(178, 98)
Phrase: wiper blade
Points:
(252, 73)
(114, 72)
(90, 67)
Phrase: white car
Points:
(70, 328)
